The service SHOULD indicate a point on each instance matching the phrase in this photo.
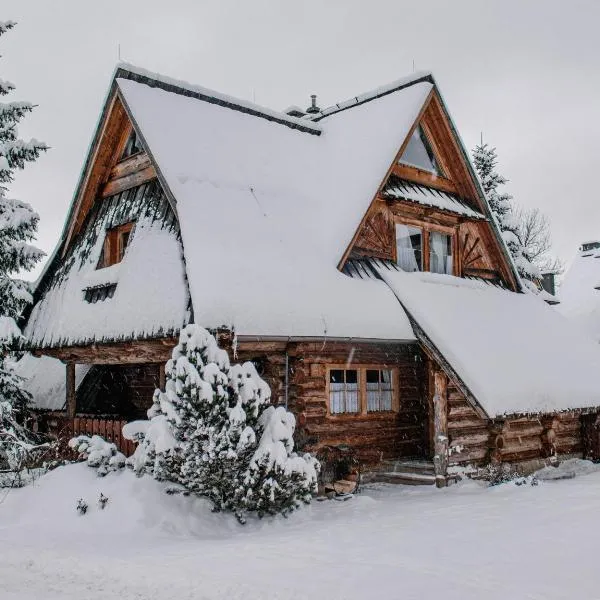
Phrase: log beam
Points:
(440, 428)
(70, 390)
(135, 352)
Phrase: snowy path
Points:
(466, 542)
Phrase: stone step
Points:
(421, 467)
(401, 478)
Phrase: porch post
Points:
(440, 427)
(161, 377)
(70, 390)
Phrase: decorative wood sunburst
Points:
(377, 236)
(471, 250)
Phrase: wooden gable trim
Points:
(374, 201)
(110, 138)
(442, 130)
(105, 173)
(459, 179)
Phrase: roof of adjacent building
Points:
(579, 294)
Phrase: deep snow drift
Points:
(466, 542)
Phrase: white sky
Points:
(526, 74)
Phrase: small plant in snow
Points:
(98, 453)
(214, 432)
(102, 501)
(82, 506)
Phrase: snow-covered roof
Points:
(45, 379)
(150, 297)
(397, 188)
(578, 293)
(268, 210)
(515, 353)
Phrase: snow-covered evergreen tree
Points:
(18, 224)
(214, 432)
(485, 160)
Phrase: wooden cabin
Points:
(349, 252)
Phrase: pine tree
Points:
(485, 160)
(224, 441)
(18, 224)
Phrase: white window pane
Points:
(409, 247)
(351, 397)
(440, 253)
(418, 153)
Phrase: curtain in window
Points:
(408, 245)
(379, 390)
(343, 391)
(440, 257)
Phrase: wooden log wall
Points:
(374, 436)
(467, 431)
(568, 433)
(474, 440)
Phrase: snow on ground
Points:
(466, 542)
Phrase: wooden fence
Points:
(110, 429)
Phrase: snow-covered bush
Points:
(214, 432)
(98, 453)
(277, 479)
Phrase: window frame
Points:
(113, 249)
(362, 369)
(136, 144)
(426, 140)
(426, 229)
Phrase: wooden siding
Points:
(467, 431)
(376, 435)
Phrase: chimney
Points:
(548, 282)
(313, 108)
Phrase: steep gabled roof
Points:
(267, 209)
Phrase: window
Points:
(440, 253)
(426, 248)
(132, 146)
(115, 244)
(379, 390)
(361, 390)
(343, 391)
(418, 153)
(409, 245)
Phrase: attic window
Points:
(409, 247)
(99, 293)
(115, 244)
(132, 146)
(419, 153)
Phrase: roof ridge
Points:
(378, 92)
(133, 73)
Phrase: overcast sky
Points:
(524, 73)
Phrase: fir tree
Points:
(18, 224)
(214, 432)
(485, 160)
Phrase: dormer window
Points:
(440, 253)
(425, 248)
(132, 146)
(409, 247)
(419, 153)
(115, 244)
